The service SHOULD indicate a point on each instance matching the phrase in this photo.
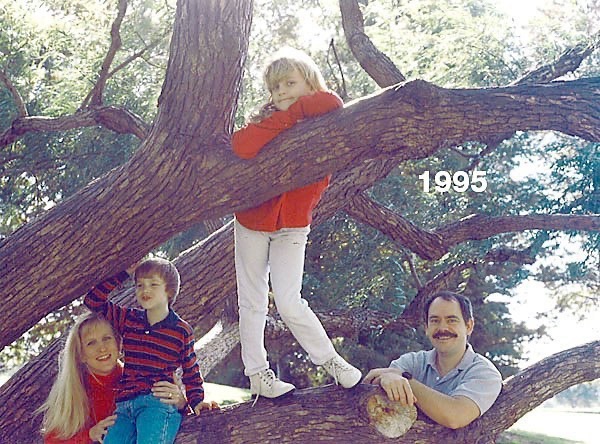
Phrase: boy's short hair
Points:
(163, 268)
(466, 308)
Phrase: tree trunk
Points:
(333, 414)
(407, 122)
(184, 172)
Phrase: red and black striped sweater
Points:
(152, 352)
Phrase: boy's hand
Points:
(213, 405)
(131, 269)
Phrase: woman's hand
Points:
(169, 393)
(97, 432)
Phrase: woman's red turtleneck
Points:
(101, 391)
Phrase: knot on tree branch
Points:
(390, 418)
(419, 93)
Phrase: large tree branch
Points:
(433, 244)
(374, 62)
(95, 96)
(400, 123)
(344, 415)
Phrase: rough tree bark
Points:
(409, 121)
(189, 154)
(330, 413)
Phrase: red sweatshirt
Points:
(292, 209)
(101, 391)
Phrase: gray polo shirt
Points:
(475, 377)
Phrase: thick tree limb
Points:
(374, 62)
(116, 119)
(433, 244)
(331, 413)
(14, 92)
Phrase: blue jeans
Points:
(144, 420)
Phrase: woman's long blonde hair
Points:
(67, 409)
(281, 64)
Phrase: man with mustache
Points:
(451, 383)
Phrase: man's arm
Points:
(450, 411)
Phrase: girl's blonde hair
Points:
(67, 409)
(281, 64)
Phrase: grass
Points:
(520, 437)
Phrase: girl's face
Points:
(290, 88)
(99, 348)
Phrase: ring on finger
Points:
(170, 394)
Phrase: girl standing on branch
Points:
(270, 239)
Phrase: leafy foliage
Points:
(53, 57)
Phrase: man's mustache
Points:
(439, 334)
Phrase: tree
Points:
(188, 153)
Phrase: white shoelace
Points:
(268, 376)
(335, 366)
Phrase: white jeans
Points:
(279, 254)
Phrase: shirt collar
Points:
(170, 321)
(466, 360)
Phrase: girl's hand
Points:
(206, 406)
(97, 432)
(169, 393)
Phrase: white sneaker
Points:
(266, 384)
(344, 374)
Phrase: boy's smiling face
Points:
(290, 88)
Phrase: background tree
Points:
(196, 140)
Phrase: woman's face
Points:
(99, 348)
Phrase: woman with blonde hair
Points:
(81, 402)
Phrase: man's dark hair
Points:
(465, 304)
